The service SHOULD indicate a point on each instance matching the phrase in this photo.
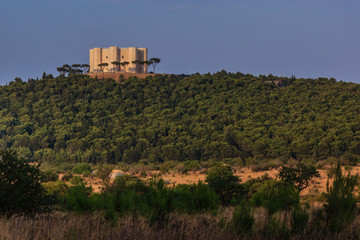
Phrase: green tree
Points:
(85, 67)
(137, 63)
(116, 65)
(298, 176)
(124, 64)
(20, 188)
(222, 180)
(154, 62)
(146, 65)
(103, 65)
(61, 71)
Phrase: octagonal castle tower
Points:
(112, 54)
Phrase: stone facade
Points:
(111, 54)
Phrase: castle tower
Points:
(111, 54)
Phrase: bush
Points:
(20, 188)
(67, 176)
(242, 220)
(340, 206)
(47, 176)
(276, 196)
(194, 198)
(76, 180)
(57, 189)
(82, 168)
(225, 184)
(78, 199)
(104, 171)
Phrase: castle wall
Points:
(111, 54)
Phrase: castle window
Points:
(122, 56)
(106, 56)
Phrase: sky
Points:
(305, 38)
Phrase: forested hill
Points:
(197, 117)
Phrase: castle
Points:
(115, 54)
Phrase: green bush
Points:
(194, 198)
(340, 206)
(78, 199)
(242, 220)
(67, 176)
(48, 175)
(276, 196)
(222, 180)
(57, 189)
(82, 168)
(76, 180)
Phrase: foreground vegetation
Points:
(220, 208)
(61, 226)
(224, 117)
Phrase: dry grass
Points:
(317, 185)
(66, 226)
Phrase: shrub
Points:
(57, 189)
(194, 198)
(341, 201)
(225, 184)
(104, 171)
(67, 176)
(276, 196)
(76, 180)
(47, 176)
(78, 199)
(242, 220)
(143, 174)
(82, 168)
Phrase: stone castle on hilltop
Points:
(105, 57)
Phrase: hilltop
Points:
(224, 116)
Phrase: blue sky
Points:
(305, 38)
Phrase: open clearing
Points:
(316, 186)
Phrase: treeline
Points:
(223, 116)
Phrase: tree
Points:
(298, 176)
(85, 67)
(61, 71)
(154, 62)
(222, 180)
(124, 64)
(103, 65)
(146, 65)
(67, 68)
(20, 188)
(76, 66)
(136, 62)
(116, 64)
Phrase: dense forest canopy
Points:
(196, 117)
